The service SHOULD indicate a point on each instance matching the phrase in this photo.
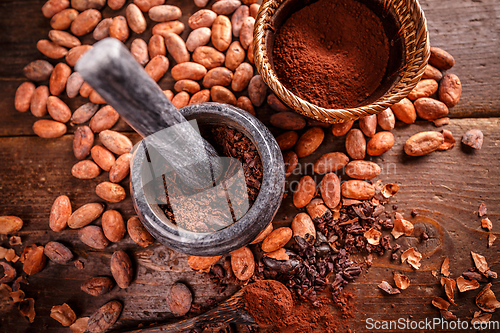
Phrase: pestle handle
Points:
(114, 73)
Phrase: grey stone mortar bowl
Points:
(247, 227)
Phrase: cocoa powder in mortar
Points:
(332, 53)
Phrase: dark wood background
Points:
(445, 188)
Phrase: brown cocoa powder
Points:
(332, 53)
(269, 302)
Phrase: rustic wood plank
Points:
(34, 176)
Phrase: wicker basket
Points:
(410, 31)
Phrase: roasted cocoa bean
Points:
(139, 50)
(330, 190)
(287, 120)
(105, 317)
(164, 13)
(85, 169)
(424, 88)
(179, 299)
(97, 286)
(263, 234)
(82, 142)
(58, 253)
(101, 31)
(120, 169)
(38, 70)
(63, 19)
(73, 84)
(237, 19)
(368, 125)
(115, 142)
(221, 33)
(450, 90)
(119, 29)
(93, 236)
(74, 54)
(357, 189)
(362, 169)
(201, 96)
(245, 103)
(277, 239)
(202, 263)
(104, 119)
(63, 38)
(423, 143)
(181, 99)
(138, 232)
(110, 192)
(342, 128)
(38, 104)
(85, 22)
(177, 48)
(430, 108)
(303, 226)
(34, 261)
(404, 111)
(197, 38)
(113, 225)
(305, 192)
(386, 119)
(257, 91)
(24, 94)
(330, 162)
(58, 110)
(432, 72)
(355, 144)
(441, 59)
(121, 268)
(103, 157)
(51, 49)
(164, 28)
(287, 140)
(219, 76)
(63, 314)
(291, 160)
(380, 143)
(49, 129)
(309, 142)
(60, 213)
(243, 263)
(221, 94)
(242, 77)
(188, 70)
(10, 224)
(135, 19)
(85, 215)
(202, 18)
(208, 57)
(157, 67)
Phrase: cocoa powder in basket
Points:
(332, 53)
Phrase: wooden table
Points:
(445, 188)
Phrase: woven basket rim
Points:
(417, 50)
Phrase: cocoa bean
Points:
(103, 157)
(449, 140)
(404, 111)
(113, 225)
(139, 50)
(51, 49)
(221, 94)
(181, 99)
(221, 33)
(105, 317)
(276, 239)
(355, 144)
(423, 143)
(263, 234)
(96, 98)
(441, 59)
(237, 19)
(82, 5)
(424, 88)
(115, 142)
(63, 38)
(246, 32)
(432, 72)
(276, 104)
(104, 119)
(226, 7)
(156, 46)
(386, 119)
(101, 31)
(10, 224)
(74, 54)
(49, 129)
(135, 19)
(197, 38)
(330, 162)
(85, 215)
(188, 70)
(120, 169)
(357, 189)
(342, 128)
(38, 70)
(38, 104)
(242, 77)
(330, 190)
(287, 140)
(85, 22)
(110, 192)
(73, 84)
(245, 103)
(58, 110)
(58, 253)
(179, 299)
(243, 263)
(24, 94)
(202, 18)
(177, 48)
(189, 86)
(119, 29)
(291, 160)
(201, 96)
(362, 169)
(380, 143)
(85, 90)
(63, 19)
(368, 125)
(146, 5)
(165, 28)
(85, 169)
(219, 76)
(60, 213)
(93, 236)
(138, 232)
(430, 108)
(82, 142)
(208, 57)
(303, 226)
(305, 192)
(202, 263)
(254, 9)
(164, 13)
(287, 120)
(257, 91)
(309, 142)
(97, 286)
(121, 268)
(450, 90)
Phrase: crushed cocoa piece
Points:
(440, 303)
(402, 227)
(466, 285)
(480, 262)
(449, 288)
(486, 224)
(445, 267)
(385, 286)
(491, 239)
(447, 315)
(482, 210)
(413, 257)
(486, 299)
(480, 318)
(402, 281)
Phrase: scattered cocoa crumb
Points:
(413, 213)
(394, 207)
(448, 315)
(482, 210)
(486, 299)
(78, 264)
(473, 138)
(445, 267)
(15, 240)
(486, 224)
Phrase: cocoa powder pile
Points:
(332, 53)
(269, 302)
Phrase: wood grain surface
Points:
(445, 188)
